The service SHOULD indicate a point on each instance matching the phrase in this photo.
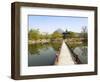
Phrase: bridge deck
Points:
(65, 56)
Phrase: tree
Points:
(46, 36)
(66, 31)
(84, 35)
(56, 35)
(71, 34)
(33, 34)
(84, 32)
(41, 36)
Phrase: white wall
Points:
(5, 38)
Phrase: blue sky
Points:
(50, 23)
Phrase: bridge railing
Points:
(76, 59)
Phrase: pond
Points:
(42, 54)
(82, 53)
(81, 50)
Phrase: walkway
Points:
(65, 56)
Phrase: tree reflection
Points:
(34, 49)
(56, 46)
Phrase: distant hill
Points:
(59, 31)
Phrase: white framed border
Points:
(25, 70)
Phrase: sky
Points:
(51, 23)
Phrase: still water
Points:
(42, 54)
(82, 53)
(45, 54)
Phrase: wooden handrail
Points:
(78, 61)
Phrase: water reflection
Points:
(82, 53)
(81, 50)
(42, 54)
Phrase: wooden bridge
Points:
(66, 57)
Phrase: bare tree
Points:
(84, 31)
(84, 35)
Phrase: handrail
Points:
(75, 56)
